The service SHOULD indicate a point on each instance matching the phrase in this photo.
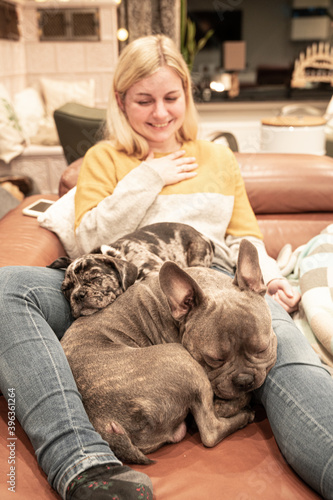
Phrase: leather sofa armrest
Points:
(69, 177)
(24, 242)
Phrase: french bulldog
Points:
(181, 341)
(95, 280)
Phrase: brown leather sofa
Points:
(292, 196)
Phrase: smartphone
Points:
(37, 207)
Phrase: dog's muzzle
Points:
(244, 381)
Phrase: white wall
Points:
(22, 63)
(12, 64)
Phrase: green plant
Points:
(188, 45)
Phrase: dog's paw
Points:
(115, 434)
(229, 408)
(249, 416)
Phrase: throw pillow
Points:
(12, 141)
(30, 110)
(59, 219)
(56, 93)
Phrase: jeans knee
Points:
(7, 279)
(15, 283)
(34, 292)
(293, 348)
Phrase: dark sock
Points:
(110, 482)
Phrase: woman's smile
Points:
(160, 125)
(155, 108)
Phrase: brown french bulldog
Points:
(168, 346)
(95, 280)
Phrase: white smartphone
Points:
(37, 207)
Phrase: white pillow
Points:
(59, 219)
(12, 141)
(47, 134)
(30, 110)
(56, 93)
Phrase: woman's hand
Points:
(174, 167)
(281, 291)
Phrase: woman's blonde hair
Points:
(140, 59)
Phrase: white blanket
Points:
(313, 273)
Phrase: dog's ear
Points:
(61, 263)
(108, 250)
(248, 274)
(181, 290)
(127, 271)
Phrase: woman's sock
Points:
(110, 482)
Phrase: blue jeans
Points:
(34, 315)
(298, 398)
(297, 394)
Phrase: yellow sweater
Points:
(116, 194)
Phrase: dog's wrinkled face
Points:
(94, 281)
(90, 285)
(240, 346)
(227, 324)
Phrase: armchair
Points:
(78, 127)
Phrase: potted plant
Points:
(188, 44)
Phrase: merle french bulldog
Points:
(95, 280)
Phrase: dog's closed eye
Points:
(95, 279)
(259, 351)
(262, 352)
(213, 362)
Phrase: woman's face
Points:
(155, 108)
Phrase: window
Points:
(8, 21)
(68, 24)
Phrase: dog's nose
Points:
(79, 295)
(244, 381)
